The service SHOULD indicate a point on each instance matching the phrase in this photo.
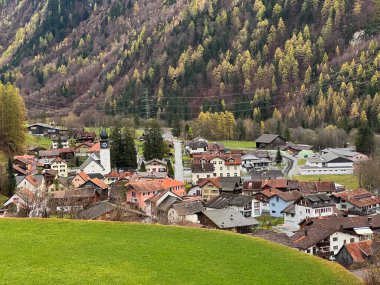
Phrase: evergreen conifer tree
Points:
(142, 167)
(170, 169)
(365, 140)
(278, 156)
(154, 145)
(11, 179)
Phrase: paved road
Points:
(292, 167)
(178, 166)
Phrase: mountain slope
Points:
(169, 58)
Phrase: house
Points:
(348, 153)
(326, 187)
(251, 188)
(100, 211)
(64, 142)
(84, 137)
(294, 149)
(269, 141)
(325, 236)
(231, 184)
(157, 206)
(328, 163)
(57, 164)
(201, 171)
(98, 185)
(196, 146)
(356, 252)
(74, 200)
(184, 211)
(250, 161)
(215, 165)
(22, 199)
(82, 149)
(359, 202)
(39, 129)
(240, 203)
(227, 219)
(111, 177)
(92, 165)
(138, 191)
(308, 206)
(280, 184)
(209, 188)
(79, 179)
(279, 200)
(156, 165)
(29, 182)
(216, 148)
(26, 164)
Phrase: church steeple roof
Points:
(103, 134)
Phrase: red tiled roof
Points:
(84, 176)
(95, 148)
(149, 185)
(275, 183)
(32, 180)
(360, 250)
(99, 183)
(359, 197)
(284, 195)
(204, 181)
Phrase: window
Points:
(273, 212)
(235, 174)
(277, 199)
(221, 168)
(335, 247)
(352, 240)
(273, 204)
(228, 175)
(335, 239)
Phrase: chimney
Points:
(305, 232)
(370, 221)
(341, 227)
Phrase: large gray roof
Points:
(226, 199)
(188, 208)
(266, 138)
(229, 218)
(88, 161)
(97, 210)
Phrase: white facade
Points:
(61, 167)
(223, 170)
(155, 166)
(195, 176)
(302, 212)
(105, 160)
(173, 217)
(25, 184)
(65, 144)
(338, 239)
(93, 167)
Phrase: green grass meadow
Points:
(350, 181)
(237, 144)
(76, 252)
(37, 141)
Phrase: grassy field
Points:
(350, 181)
(301, 162)
(37, 141)
(238, 144)
(3, 199)
(75, 252)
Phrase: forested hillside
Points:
(303, 62)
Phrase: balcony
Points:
(362, 212)
(324, 254)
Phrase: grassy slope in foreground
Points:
(67, 252)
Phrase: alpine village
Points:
(190, 142)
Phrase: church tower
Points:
(105, 153)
